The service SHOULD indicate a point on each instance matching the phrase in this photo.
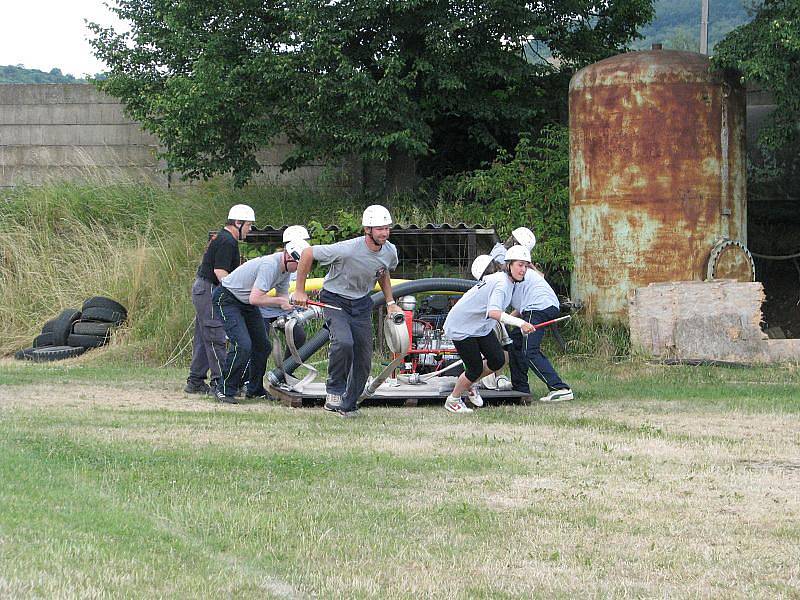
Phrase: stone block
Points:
(110, 114)
(22, 114)
(37, 134)
(59, 135)
(703, 320)
(12, 135)
(100, 135)
(83, 93)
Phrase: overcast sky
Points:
(44, 34)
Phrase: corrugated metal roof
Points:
(420, 247)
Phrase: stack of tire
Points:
(73, 331)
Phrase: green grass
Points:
(655, 481)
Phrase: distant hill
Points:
(19, 74)
(677, 23)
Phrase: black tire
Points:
(55, 353)
(26, 354)
(97, 328)
(77, 340)
(48, 327)
(104, 315)
(43, 339)
(63, 325)
(103, 302)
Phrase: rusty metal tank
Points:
(657, 176)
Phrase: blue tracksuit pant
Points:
(526, 353)
(247, 341)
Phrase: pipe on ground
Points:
(418, 286)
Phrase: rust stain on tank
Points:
(656, 173)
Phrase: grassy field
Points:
(656, 481)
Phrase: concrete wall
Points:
(56, 132)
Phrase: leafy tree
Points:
(442, 85)
(532, 188)
(767, 52)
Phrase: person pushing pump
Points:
(536, 302)
(355, 266)
(471, 322)
(220, 258)
(271, 313)
(236, 302)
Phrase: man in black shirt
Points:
(220, 258)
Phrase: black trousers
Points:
(527, 353)
(473, 350)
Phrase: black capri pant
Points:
(473, 350)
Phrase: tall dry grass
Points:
(137, 244)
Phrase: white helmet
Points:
(479, 265)
(518, 253)
(376, 216)
(241, 212)
(295, 232)
(525, 237)
(295, 248)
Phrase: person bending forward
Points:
(470, 325)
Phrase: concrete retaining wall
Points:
(51, 132)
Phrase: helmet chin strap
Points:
(240, 230)
(511, 274)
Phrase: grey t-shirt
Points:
(469, 317)
(263, 273)
(533, 293)
(354, 268)
(273, 312)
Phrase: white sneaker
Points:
(475, 396)
(333, 402)
(456, 405)
(558, 396)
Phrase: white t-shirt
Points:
(498, 253)
(470, 316)
(533, 293)
(354, 268)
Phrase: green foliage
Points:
(319, 234)
(530, 188)
(19, 74)
(348, 225)
(767, 51)
(445, 83)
